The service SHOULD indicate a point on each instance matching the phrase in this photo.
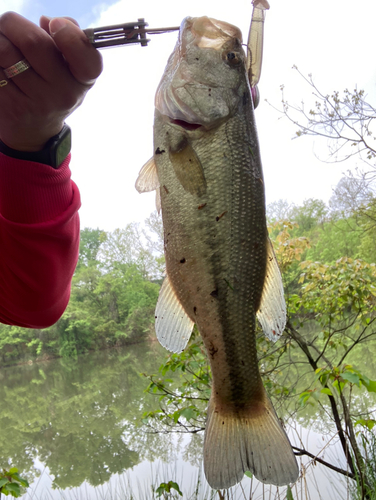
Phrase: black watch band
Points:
(54, 152)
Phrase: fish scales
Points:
(220, 266)
(215, 252)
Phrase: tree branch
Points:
(300, 452)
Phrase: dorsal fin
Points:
(172, 324)
(272, 310)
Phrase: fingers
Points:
(44, 22)
(62, 37)
(85, 62)
(9, 55)
(63, 66)
(36, 46)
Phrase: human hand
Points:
(63, 67)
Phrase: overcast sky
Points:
(112, 131)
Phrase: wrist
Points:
(33, 136)
(52, 153)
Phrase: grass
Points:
(368, 448)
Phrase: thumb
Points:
(85, 62)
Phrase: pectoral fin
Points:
(147, 179)
(272, 311)
(172, 325)
(188, 169)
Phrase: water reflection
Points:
(78, 417)
(79, 421)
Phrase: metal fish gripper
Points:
(124, 34)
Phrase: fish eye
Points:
(232, 58)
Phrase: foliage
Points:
(289, 249)
(165, 490)
(332, 231)
(339, 293)
(338, 237)
(182, 400)
(11, 483)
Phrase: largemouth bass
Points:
(221, 268)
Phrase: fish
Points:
(221, 270)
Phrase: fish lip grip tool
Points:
(124, 34)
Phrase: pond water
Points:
(72, 427)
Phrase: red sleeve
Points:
(39, 241)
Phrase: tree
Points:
(279, 210)
(346, 120)
(351, 193)
(134, 244)
(90, 242)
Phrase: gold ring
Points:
(16, 69)
(3, 83)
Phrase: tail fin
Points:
(252, 440)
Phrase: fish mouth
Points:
(186, 125)
(189, 95)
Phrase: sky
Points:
(112, 131)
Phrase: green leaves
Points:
(3, 481)
(13, 489)
(11, 482)
(188, 413)
(165, 488)
(309, 397)
(183, 397)
(326, 391)
(351, 377)
(369, 423)
(338, 378)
